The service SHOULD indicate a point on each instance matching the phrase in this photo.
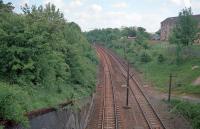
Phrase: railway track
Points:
(106, 113)
(151, 117)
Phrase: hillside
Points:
(44, 60)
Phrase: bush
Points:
(160, 58)
(145, 57)
(12, 104)
(188, 110)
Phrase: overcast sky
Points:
(90, 14)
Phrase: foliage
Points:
(105, 36)
(6, 7)
(160, 58)
(129, 32)
(145, 57)
(189, 110)
(12, 105)
(158, 73)
(44, 57)
(185, 32)
(158, 32)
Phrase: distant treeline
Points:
(109, 34)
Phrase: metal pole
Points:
(127, 79)
(127, 88)
(170, 87)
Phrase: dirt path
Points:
(164, 96)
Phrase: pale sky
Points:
(91, 14)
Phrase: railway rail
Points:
(106, 111)
(152, 118)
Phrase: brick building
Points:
(168, 24)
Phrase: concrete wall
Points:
(62, 119)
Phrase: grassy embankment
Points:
(16, 100)
(190, 111)
(158, 72)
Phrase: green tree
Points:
(40, 51)
(6, 7)
(185, 32)
(129, 31)
(186, 29)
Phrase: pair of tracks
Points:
(108, 108)
(106, 112)
(152, 119)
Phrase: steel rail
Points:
(100, 51)
(114, 99)
(139, 87)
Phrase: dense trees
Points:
(107, 35)
(40, 50)
(6, 7)
(40, 46)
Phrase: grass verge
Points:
(158, 72)
(189, 110)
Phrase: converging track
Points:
(106, 107)
(108, 111)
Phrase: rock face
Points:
(62, 119)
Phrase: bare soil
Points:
(197, 81)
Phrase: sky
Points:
(91, 14)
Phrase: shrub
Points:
(145, 57)
(12, 104)
(160, 58)
(190, 111)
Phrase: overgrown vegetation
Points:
(188, 110)
(44, 60)
(185, 32)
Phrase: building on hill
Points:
(168, 24)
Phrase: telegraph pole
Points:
(170, 86)
(127, 87)
(127, 79)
